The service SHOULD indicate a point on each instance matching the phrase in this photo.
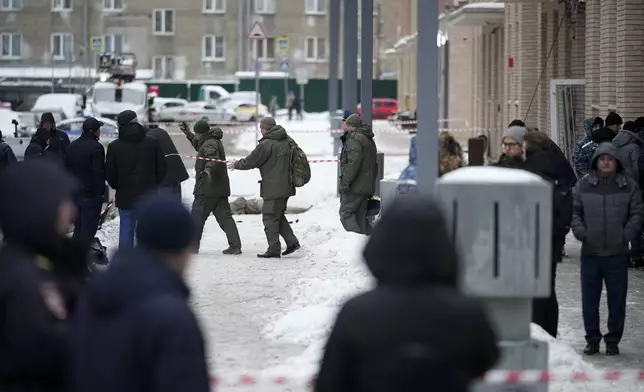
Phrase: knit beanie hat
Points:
(353, 120)
(164, 224)
(516, 122)
(202, 127)
(516, 132)
(267, 123)
(613, 119)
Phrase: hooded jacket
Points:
(629, 145)
(7, 157)
(358, 162)
(176, 171)
(584, 149)
(607, 212)
(58, 141)
(41, 273)
(136, 332)
(37, 147)
(135, 165)
(272, 157)
(415, 331)
(211, 176)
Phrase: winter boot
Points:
(591, 349)
(269, 255)
(612, 349)
(635, 262)
(291, 249)
(232, 251)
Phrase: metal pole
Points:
(350, 56)
(241, 27)
(427, 137)
(334, 54)
(366, 61)
(446, 83)
(302, 100)
(256, 98)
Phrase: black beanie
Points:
(164, 224)
(613, 119)
(517, 123)
(630, 126)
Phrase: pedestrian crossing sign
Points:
(283, 44)
(97, 43)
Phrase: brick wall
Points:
(608, 54)
(630, 59)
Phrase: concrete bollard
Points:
(389, 189)
(501, 219)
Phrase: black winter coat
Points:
(41, 274)
(415, 331)
(176, 171)
(58, 140)
(37, 146)
(85, 159)
(7, 156)
(134, 166)
(136, 331)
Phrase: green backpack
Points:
(300, 169)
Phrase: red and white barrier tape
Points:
(492, 377)
(332, 131)
(223, 161)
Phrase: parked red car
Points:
(382, 108)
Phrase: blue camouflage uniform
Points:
(584, 149)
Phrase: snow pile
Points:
(309, 135)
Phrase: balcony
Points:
(478, 14)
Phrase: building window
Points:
(10, 5)
(214, 6)
(315, 6)
(61, 5)
(62, 46)
(265, 6)
(113, 5)
(163, 67)
(264, 49)
(214, 48)
(316, 49)
(114, 43)
(10, 46)
(163, 22)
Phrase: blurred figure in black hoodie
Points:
(41, 274)
(58, 141)
(37, 147)
(415, 331)
(136, 331)
(541, 159)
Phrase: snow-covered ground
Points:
(270, 318)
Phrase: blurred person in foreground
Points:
(272, 157)
(134, 166)
(42, 273)
(212, 185)
(85, 159)
(136, 331)
(358, 173)
(415, 331)
(607, 215)
(539, 159)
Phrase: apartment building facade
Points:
(549, 62)
(180, 39)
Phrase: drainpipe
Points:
(86, 49)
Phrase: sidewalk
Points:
(571, 326)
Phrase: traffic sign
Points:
(284, 66)
(257, 31)
(283, 44)
(302, 76)
(97, 43)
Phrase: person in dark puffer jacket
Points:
(135, 330)
(607, 215)
(134, 166)
(415, 331)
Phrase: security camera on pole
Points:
(257, 32)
